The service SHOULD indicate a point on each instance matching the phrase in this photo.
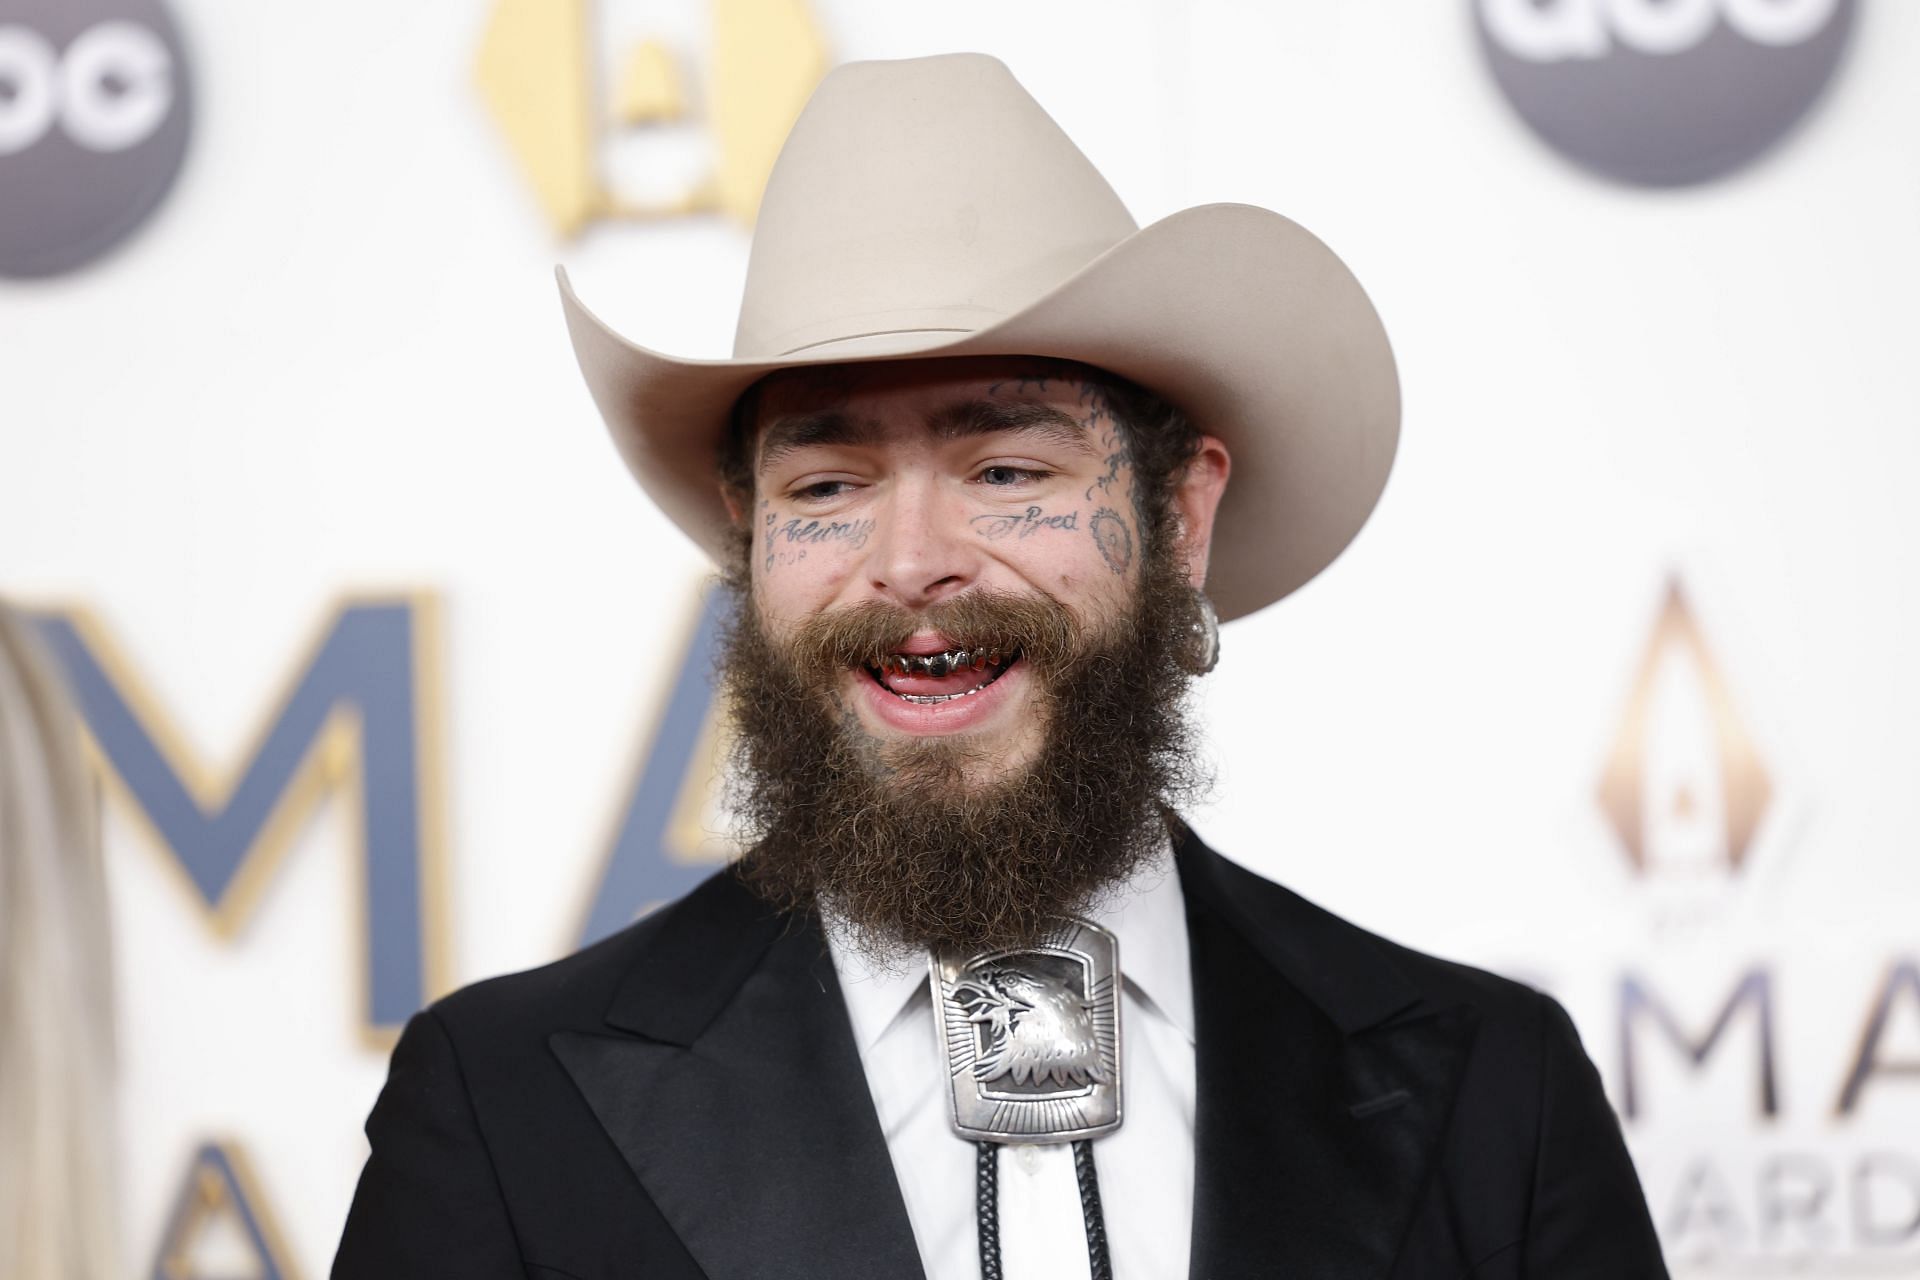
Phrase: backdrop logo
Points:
(1684, 787)
(221, 1226)
(358, 719)
(536, 72)
(95, 109)
(668, 837)
(1772, 1102)
(1663, 92)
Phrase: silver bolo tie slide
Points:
(1031, 1040)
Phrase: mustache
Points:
(1044, 631)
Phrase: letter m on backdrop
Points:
(353, 722)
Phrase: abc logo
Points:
(94, 119)
(110, 91)
(1663, 92)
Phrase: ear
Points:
(732, 497)
(1195, 500)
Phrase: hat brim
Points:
(1237, 315)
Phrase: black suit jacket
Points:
(685, 1100)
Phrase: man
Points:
(976, 1002)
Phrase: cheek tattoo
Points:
(1023, 525)
(787, 543)
(1115, 540)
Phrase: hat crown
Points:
(915, 198)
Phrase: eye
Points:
(820, 490)
(1002, 476)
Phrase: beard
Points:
(937, 842)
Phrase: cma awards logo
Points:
(571, 120)
(1814, 1159)
(95, 111)
(1684, 787)
(1663, 92)
(359, 720)
(221, 1225)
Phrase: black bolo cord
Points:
(1096, 1222)
(987, 1209)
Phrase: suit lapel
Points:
(1323, 1083)
(739, 1100)
(728, 1078)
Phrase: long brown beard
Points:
(887, 837)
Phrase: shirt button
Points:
(1029, 1159)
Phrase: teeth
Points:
(939, 664)
(939, 697)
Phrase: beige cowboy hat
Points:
(930, 207)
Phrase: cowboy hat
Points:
(930, 207)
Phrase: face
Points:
(956, 682)
(916, 484)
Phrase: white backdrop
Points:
(334, 364)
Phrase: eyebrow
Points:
(990, 417)
(958, 421)
(808, 430)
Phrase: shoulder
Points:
(1520, 1051)
(1356, 976)
(667, 949)
(1536, 1163)
(564, 993)
(1444, 982)
(1520, 1032)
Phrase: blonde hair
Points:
(57, 1219)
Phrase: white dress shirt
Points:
(1145, 1168)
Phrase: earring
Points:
(1203, 641)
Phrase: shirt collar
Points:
(1147, 913)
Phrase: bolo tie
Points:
(1031, 1038)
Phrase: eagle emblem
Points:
(1038, 1030)
(1032, 1036)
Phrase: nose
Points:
(922, 550)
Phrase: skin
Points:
(913, 481)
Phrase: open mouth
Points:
(927, 678)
